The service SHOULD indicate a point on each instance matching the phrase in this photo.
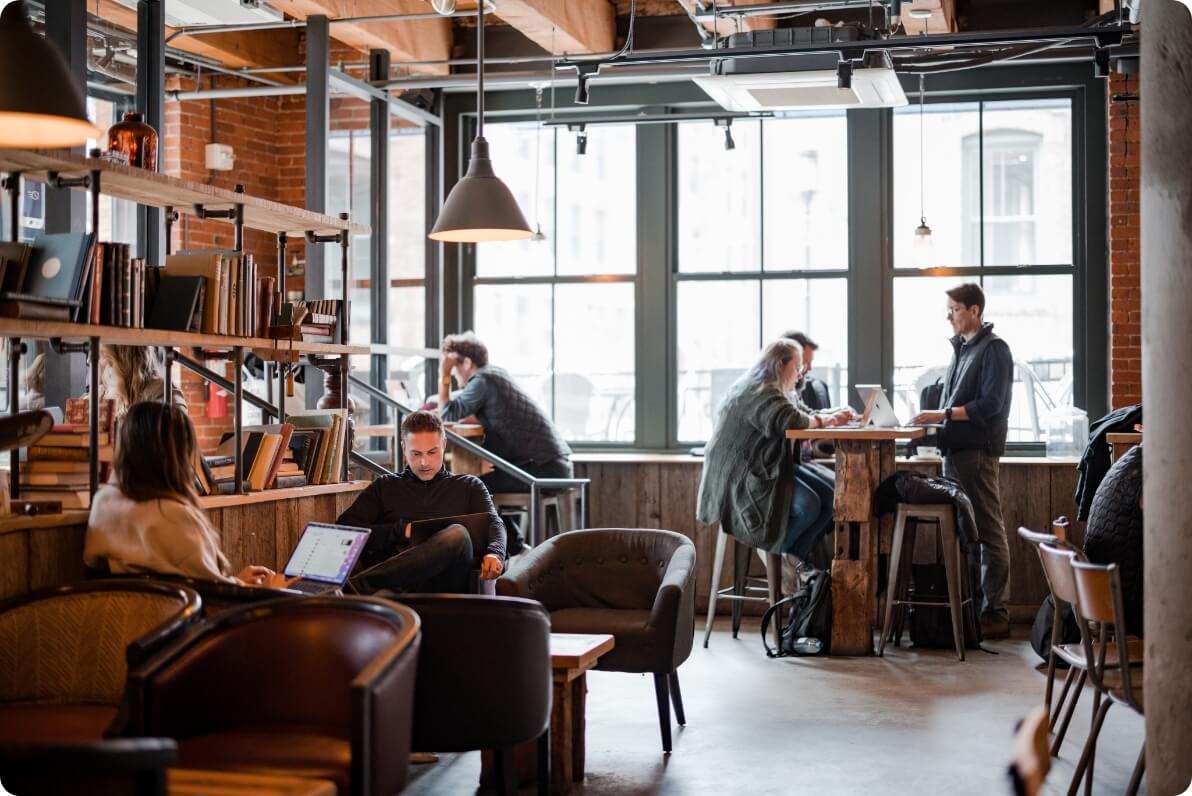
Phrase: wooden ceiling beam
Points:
(234, 50)
(413, 40)
(575, 26)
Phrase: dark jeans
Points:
(811, 509)
(440, 564)
(977, 472)
(499, 482)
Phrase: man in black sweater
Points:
(976, 416)
(424, 490)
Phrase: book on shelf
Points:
(263, 449)
(229, 299)
(78, 413)
(33, 310)
(14, 259)
(67, 454)
(321, 463)
(71, 436)
(67, 497)
(178, 302)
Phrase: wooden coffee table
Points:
(196, 782)
(571, 656)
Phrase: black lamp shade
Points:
(480, 207)
(41, 106)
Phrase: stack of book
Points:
(119, 288)
(309, 321)
(304, 451)
(215, 292)
(58, 466)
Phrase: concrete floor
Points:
(909, 723)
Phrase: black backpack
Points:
(931, 626)
(809, 614)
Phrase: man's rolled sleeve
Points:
(469, 400)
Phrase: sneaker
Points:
(995, 626)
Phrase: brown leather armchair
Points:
(637, 585)
(68, 650)
(507, 641)
(116, 767)
(320, 687)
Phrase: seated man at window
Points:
(515, 427)
(424, 490)
(810, 390)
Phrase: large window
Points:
(1006, 223)
(762, 246)
(406, 310)
(558, 310)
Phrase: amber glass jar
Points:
(135, 139)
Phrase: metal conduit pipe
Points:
(228, 93)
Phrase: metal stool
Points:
(518, 504)
(743, 584)
(943, 516)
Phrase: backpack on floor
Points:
(809, 613)
(931, 626)
(1041, 629)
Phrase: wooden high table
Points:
(864, 458)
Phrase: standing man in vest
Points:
(975, 418)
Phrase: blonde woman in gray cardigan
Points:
(750, 484)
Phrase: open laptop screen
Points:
(327, 553)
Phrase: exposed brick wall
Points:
(268, 136)
(1125, 297)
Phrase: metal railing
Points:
(535, 485)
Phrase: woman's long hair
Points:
(767, 371)
(155, 454)
(126, 373)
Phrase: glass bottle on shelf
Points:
(135, 140)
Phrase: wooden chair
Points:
(1099, 593)
(1057, 566)
(1058, 540)
(1032, 760)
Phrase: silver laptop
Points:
(877, 406)
(324, 557)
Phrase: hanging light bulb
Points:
(480, 207)
(922, 246)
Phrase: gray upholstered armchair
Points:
(637, 585)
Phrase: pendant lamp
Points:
(480, 207)
(923, 250)
(41, 106)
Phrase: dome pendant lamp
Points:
(480, 207)
(40, 105)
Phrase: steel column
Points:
(379, 121)
(151, 92)
(93, 409)
(318, 111)
(238, 417)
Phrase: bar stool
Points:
(943, 516)
(561, 517)
(743, 583)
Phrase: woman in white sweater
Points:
(148, 520)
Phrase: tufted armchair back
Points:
(603, 568)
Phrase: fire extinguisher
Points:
(217, 401)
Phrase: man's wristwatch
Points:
(948, 414)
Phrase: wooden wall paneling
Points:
(257, 533)
(56, 556)
(647, 493)
(286, 530)
(1026, 501)
(679, 488)
(14, 563)
(344, 501)
(232, 537)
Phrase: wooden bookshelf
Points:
(265, 347)
(160, 190)
(268, 495)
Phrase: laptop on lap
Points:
(324, 557)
